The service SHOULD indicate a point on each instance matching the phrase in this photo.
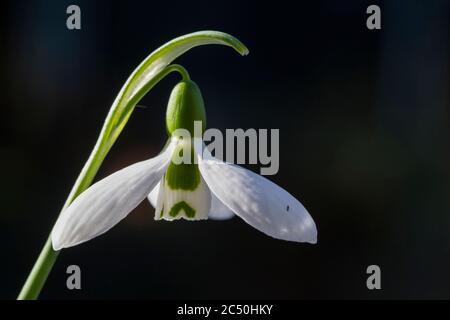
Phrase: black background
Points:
(363, 119)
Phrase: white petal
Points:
(153, 196)
(108, 201)
(258, 201)
(218, 210)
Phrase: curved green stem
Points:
(47, 258)
(154, 68)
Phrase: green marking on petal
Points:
(183, 176)
(182, 205)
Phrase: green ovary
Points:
(185, 106)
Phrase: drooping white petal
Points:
(108, 201)
(258, 201)
(218, 210)
(153, 196)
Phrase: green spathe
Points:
(185, 107)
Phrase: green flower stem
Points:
(48, 256)
(154, 68)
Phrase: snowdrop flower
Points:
(192, 190)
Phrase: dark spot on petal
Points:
(287, 208)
